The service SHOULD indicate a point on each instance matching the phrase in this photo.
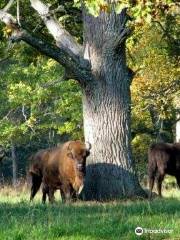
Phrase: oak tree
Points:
(99, 66)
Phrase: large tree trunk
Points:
(106, 102)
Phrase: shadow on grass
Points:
(87, 220)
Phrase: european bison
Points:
(163, 158)
(61, 168)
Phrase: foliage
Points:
(31, 105)
(154, 86)
(141, 11)
(140, 144)
(153, 55)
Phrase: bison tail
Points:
(35, 185)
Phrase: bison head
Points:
(79, 151)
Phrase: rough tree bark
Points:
(106, 102)
(105, 79)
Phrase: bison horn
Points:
(80, 189)
(88, 145)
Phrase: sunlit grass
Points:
(21, 220)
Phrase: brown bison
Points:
(60, 168)
(163, 158)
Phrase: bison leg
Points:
(152, 168)
(160, 178)
(151, 174)
(36, 183)
(51, 195)
(151, 185)
(66, 193)
(45, 191)
(74, 196)
(63, 197)
(67, 196)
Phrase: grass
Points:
(21, 220)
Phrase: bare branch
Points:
(23, 113)
(7, 7)
(62, 37)
(77, 67)
(18, 13)
(8, 19)
(25, 118)
(78, 72)
(60, 55)
(7, 115)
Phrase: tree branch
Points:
(116, 38)
(169, 36)
(126, 32)
(7, 7)
(9, 20)
(78, 68)
(60, 55)
(23, 113)
(124, 17)
(62, 37)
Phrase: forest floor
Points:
(22, 220)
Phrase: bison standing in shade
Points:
(61, 168)
(163, 158)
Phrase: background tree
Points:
(153, 52)
(37, 110)
(35, 114)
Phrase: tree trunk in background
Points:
(178, 129)
(1, 174)
(106, 106)
(14, 165)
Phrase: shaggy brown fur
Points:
(37, 163)
(61, 168)
(163, 158)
